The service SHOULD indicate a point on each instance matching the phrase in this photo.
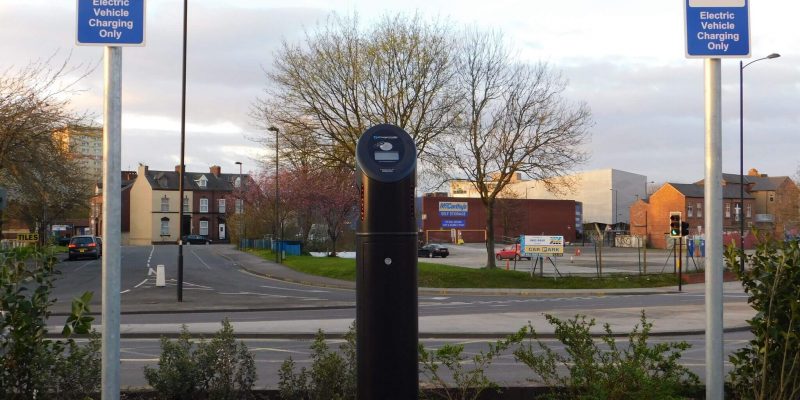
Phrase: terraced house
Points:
(209, 200)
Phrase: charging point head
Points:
(386, 153)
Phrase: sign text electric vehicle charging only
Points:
(386, 266)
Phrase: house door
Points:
(221, 231)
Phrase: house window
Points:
(737, 210)
(164, 226)
(165, 204)
(772, 197)
(239, 206)
(221, 206)
(727, 210)
(689, 211)
(749, 210)
(204, 228)
(185, 203)
(203, 205)
(699, 210)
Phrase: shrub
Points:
(332, 375)
(219, 369)
(639, 371)
(769, 366)
(30, 364)
(468, 383)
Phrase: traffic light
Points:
(675, 224)
(684, 228)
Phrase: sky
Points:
(624, 58)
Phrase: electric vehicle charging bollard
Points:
(386, 266)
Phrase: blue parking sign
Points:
(111, 22)
(717, 28)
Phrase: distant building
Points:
(453, 219)
(651, 217)
(206, 204)
(777, 201)
(96, 207)
(84, 144)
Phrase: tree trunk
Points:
(332, 235)
(490, 262)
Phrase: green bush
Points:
(591, 371)
(332, 375)
(30, 365)
(769, 366)
(219, 369)
(468, 382)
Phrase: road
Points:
(270, 353)
(218, 287)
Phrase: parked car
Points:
(433, 250)
(195, 239)
(510, 253)
(85, 246)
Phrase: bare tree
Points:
(325, 93)
(513, 119)
(34, 104)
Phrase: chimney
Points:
(178, 168)
(143, 169)
(216, 170)
(753, 172)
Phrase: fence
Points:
(289, 247)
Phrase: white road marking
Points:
(140, 283)
(125, 291)
(152, 249)
(150, 271)
(83, 265)
(296, 290)
(201, 260)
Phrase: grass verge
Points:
(447, 276)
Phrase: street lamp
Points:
(741, 150)
(242, 219)
(277, 194)
(613, 219)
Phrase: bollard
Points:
(160, 278)
(386, 266)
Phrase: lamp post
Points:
(613, 219)
(277, 194)
(242, 219)
(742, 66)
(183, 150)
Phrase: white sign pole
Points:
(713, 222)
(112, 233)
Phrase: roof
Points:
(168, 180)
(759, 183)
(695, 190)
(767, 183)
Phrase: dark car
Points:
(85, 246)
(195, 239)
(63, 241)
(433, 250)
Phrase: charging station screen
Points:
(387, 156)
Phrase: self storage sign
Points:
(453, 208)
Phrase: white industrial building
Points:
(605, 194)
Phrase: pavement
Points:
(678, 318)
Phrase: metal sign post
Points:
(111, 24)
(715, 29)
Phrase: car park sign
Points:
(717, 28)
(542, 245)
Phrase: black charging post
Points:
(386, 266)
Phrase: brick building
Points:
(651, 217)
(445, 219)
(207, 204)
